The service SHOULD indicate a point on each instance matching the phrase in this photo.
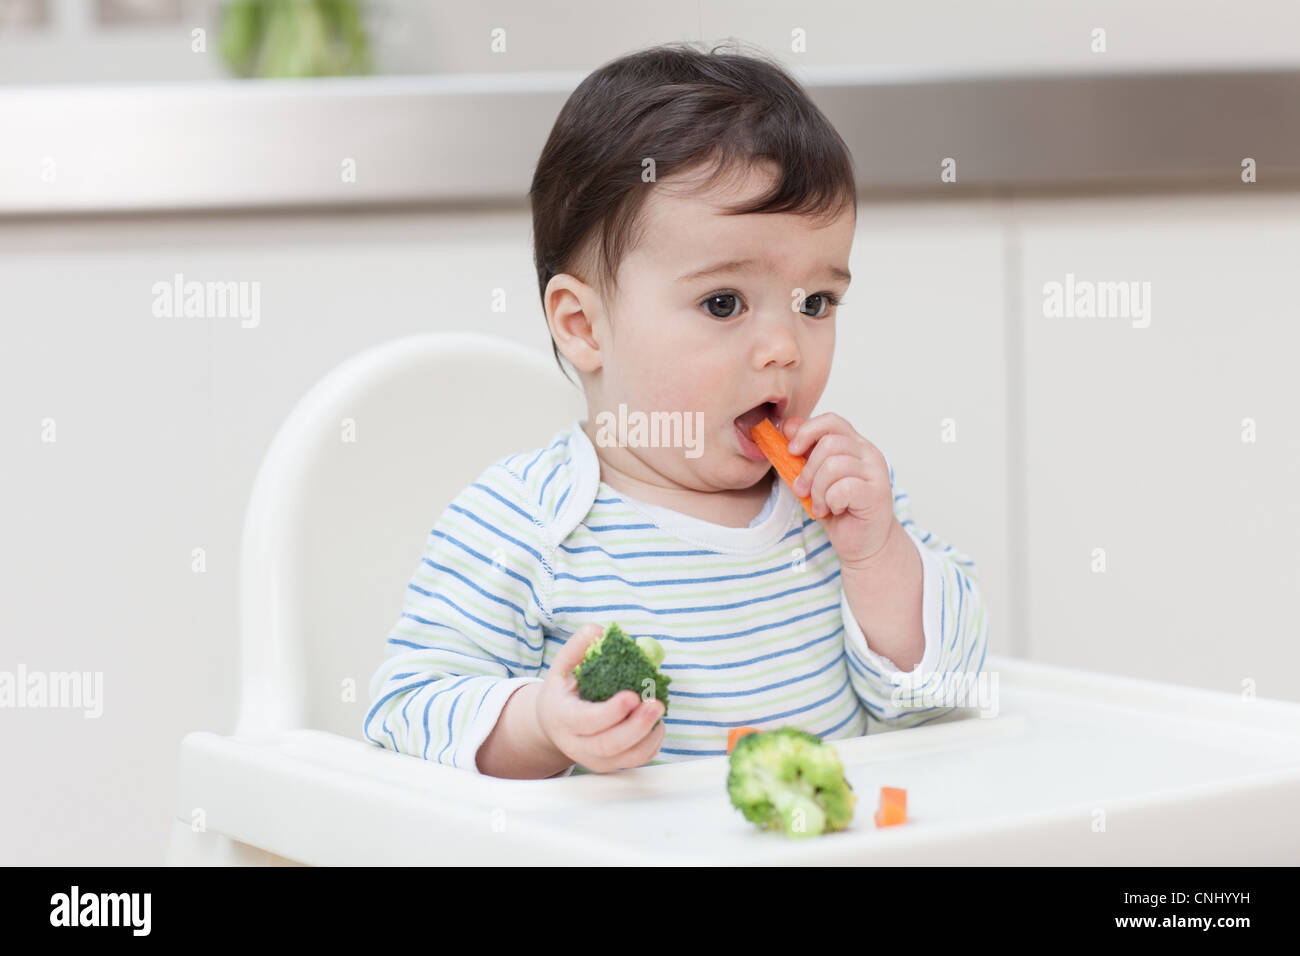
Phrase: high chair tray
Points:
(1076, 768)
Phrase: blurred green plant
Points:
(288, 38)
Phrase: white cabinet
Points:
(1173, 450)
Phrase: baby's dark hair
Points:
(681, 107)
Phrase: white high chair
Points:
(339, 514)
(1071, 768)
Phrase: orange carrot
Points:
(735, 733)
(893, 807)
(773, 445)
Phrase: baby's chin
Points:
(716, 470)
(716, 461)
(730, 470)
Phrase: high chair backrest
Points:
(344, 501)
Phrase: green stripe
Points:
(708, 564)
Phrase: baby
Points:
(693, 215)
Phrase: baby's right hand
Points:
(606, 735)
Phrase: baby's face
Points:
(707, 320)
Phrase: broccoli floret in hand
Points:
(787, 779)
(615, 662)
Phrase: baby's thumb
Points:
(575, 648)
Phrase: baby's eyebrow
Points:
(737, 265)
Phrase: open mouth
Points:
(773, 411)
(756, 414)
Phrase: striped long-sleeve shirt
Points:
(754, 623)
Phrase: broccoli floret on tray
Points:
(787, 779)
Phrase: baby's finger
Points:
(833, 469)
(826, 448)
(571, 654)
(587, 717)
(814, 428)
(645, 748)
(630, 732)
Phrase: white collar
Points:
(706, 534)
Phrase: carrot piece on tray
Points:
(893, 807)
(773, 445)
(735, 733)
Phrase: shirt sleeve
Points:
(471, 628)
(956, 637)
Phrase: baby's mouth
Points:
(749, 419)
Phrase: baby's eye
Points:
(721, 297)
(829, 300)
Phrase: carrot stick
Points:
(735, 733)
(893, 807)
(776, 449)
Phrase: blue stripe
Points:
(863, 669)
(677, 639)
(380, 702)
(659, 582)
(691, 753)
(758, 690)
(505, 501)
(778, 716)
(555, 444)
(853, 714)
(498, 532)
(542, 494)
(493, 565)
(634, 554)
(430, 704)
(448, 627)
(698, 609)
(460, 610)
(966, 630)
(487, 594)
(754, 660)
(665, 554)
(507, 665)
(535, 460)
(450, 714)
(860, 668)
(407, 703)
(482, 697)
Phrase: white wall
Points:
(923, 36)
(1134, 440)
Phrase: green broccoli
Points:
(786, 779)
(615, 662)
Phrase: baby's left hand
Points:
(849, 481)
